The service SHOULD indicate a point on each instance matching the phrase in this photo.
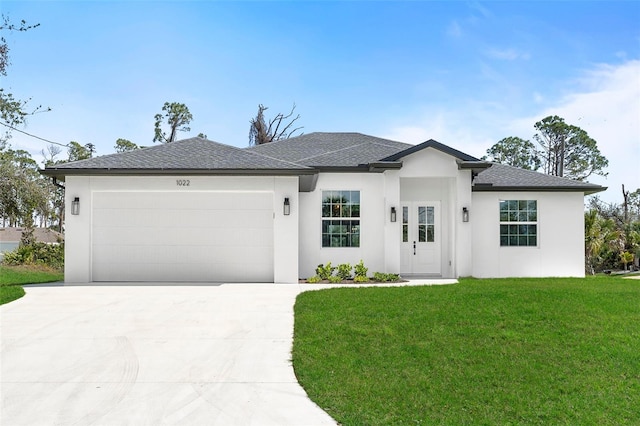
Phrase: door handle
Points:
(414, 248)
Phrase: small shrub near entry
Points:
(314, 279)
(325, 271)
(344, 271)
(360, 271)
(382, 277)
(360, 279)
(334, 279)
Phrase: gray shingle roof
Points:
(188, 154)
(306, 154)
(500, 177)
(331, 149)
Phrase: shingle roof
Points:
(500, 177)
(188, 154)
(331, 149)
(43, 235)
(308, 154)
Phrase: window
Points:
(519, 223)
(340, 218)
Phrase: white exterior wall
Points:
(432, 175)
(374, 221)
(560, 250)
(78, 228)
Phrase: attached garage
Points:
(211, 236)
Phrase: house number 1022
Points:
(183, 182)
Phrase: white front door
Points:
(421, 243)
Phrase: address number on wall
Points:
(183, 182)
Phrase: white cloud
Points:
(454, 30)
(509, 54)
(606, 104)
(608, 108)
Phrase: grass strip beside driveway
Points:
(12, 277)
(510, 351)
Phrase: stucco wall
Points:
(373, 222)
(78, 253)
(560, 250)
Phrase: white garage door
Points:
(182, 236)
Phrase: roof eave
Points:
(61, 173)
(492, 188)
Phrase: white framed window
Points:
(518, 223)
(340, 218)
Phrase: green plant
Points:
(335, 279)
(626, 258)
(360, 279)
(360, 270)
(344, 271)
(325, 271)
(383, 277)
(36, 254)
(314, 279)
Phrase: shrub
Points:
(360, 279)
(382, 277)
(314, 279)
(344, 271)
(324, 272)
(360, 270)
(335, 279)
(36, 254)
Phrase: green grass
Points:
(514, 351)
(12, 277)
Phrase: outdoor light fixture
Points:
(465, 214)
(75, 206)
(287, 207)
(393, 214)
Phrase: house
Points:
(10, 237)
(197, 210)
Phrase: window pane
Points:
(355, 240)
(355, 197)
(346, 211)
(422, 233)
(504, 206)
(405, 233)
(430, 215)
(355, 210)
(326, 210)
(504, 217)
(533, 240)
(532, 205)
(504, 240)
(422, 215)
(513, 240)
(430, 233)
(326, 240)
(405, 214)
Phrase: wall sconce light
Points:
(75, 206)
(393, 214)
(465, 214)
(286, 209)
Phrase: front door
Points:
(421, 238)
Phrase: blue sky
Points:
(464, 73)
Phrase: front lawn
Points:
(514, 351)
(11, 277)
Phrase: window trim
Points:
(349, 219)
(516, 221)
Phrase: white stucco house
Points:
(197, 210)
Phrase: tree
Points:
(177, 116)
(125, 145)
(80, 152)
(261, 131)
(12, 111)
(568, 150)
(516, 152)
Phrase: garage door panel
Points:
(195, 236)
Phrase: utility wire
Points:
(33, 136)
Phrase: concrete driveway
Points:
(152, 355)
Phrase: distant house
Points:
(10, 237)
(197, 210)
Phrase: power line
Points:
(33, 136)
